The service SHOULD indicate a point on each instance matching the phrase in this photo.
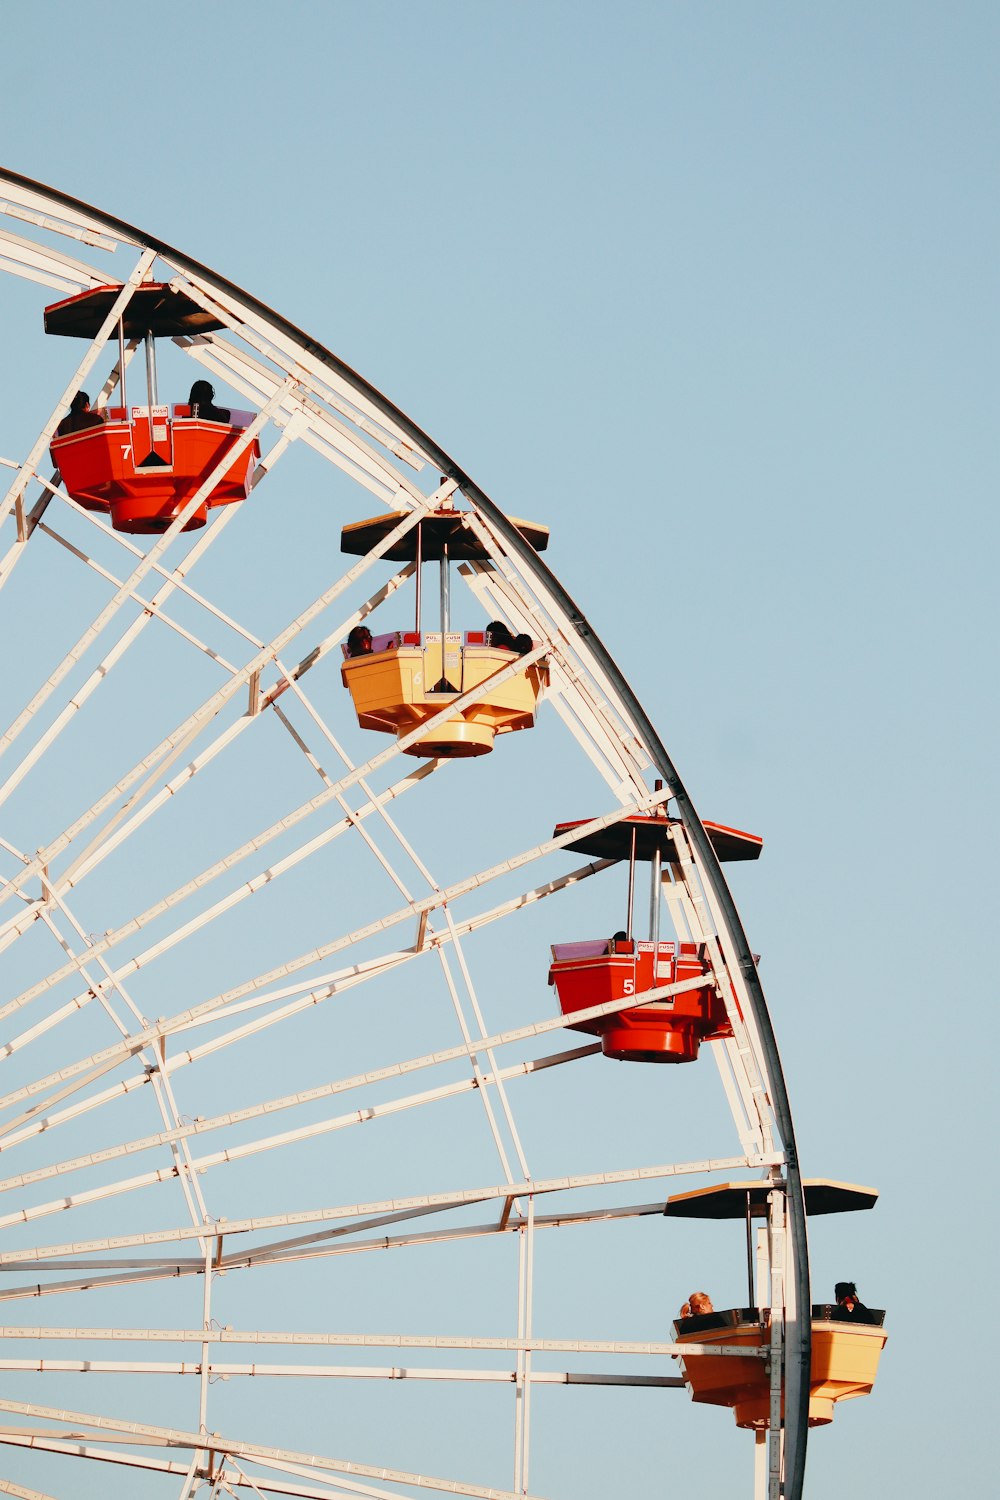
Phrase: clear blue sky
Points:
(711, 289)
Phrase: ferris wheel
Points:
(339, 1053)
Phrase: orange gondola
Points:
(845, 1348)
(402, 679)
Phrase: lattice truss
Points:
(275, 992)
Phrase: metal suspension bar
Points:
(398, 1208)
(27, 471)
(210, 709)
(182, 1166)
(177, 1437)
(90, 635)
(246, 888)
(429, 903)
(480, 1022)
(112, 1057)
(133, 1270)
(340, 1372)
(375, 1340)
(87, 1070)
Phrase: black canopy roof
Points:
(655, 832)
(154, 309)
(728, 1200)
(437, 529)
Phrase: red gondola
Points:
(144, 467)
(144, 464)
(599, 971)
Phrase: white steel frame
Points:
(305, 396)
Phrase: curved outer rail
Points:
(590, 647)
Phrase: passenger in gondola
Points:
(359, 641)
(79, 416)
(497, 634)
(697, 1305)
(522, 643)
(202, 403)
(850, 1308)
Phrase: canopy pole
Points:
(151, 392)
(656, 881)
(631, 885)
(752, 1297)
(445, 594)
(420, 559)
(151, 456)
(121, 365)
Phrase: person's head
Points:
(845, 1291)
(359, 641)
(700, 1303)
(202, 393)
(81, 402)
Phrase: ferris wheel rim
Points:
(590, 645)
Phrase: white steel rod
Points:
(229, 1154)
(50, 491)
(760, 1466)
(8, 1487)
(316, 1247)
(97, 1064)
(247, 887)
(47, 221)
(166, 1466)
(249, 375)
(428, 903)
(312, 373)
(101, 1063)
(336, 984)
(182, 1167)
(217, 701)
(217, 1369)
(206, 1322)
(103, 844)
(527, 1375)
(148, 605)
(107, 613)
(478, 1079)
(189, 1479)
(178, 1437)
(63, 218)
(269, 1107)
(268, 1338)
(519, 1387)
(181, 1170)
(401, 1207)
(348, 1486)
(162, 570)
(605, 743)
(316, 428)
(481, 1024)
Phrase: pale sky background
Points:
(712, 290)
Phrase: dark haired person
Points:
(202, 403)
(359, 641)
(850, 1308)
(80, 416)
